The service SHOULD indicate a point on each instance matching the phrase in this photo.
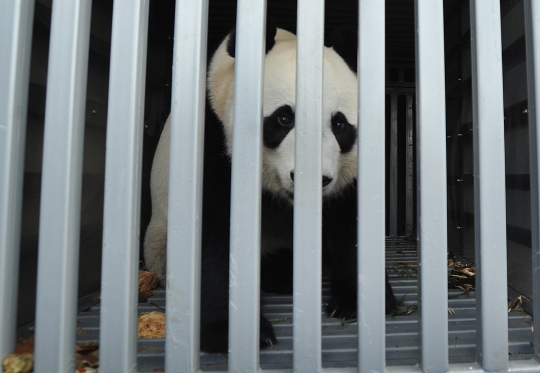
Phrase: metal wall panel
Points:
(393, 176)
(15, 40)
(489, 185)
(56, 304)
(410, 192)
(245, 240)
(121, 231)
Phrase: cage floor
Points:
(339, 341)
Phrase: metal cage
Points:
(62, 185)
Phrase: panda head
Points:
(339, 155)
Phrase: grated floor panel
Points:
(339, 339)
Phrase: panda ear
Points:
(345, 41)
(271, 31)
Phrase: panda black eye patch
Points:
(277, 126)
(344, 132)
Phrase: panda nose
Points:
(325, 179)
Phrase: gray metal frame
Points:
(16, 19)
(307, 187)
(489, 182)
(409, 168)
(118, 338)
(185, 204)
(393, 169)
(431, 173)
(56, 303)
(245, 240)
(532, 33)
(371, 187)
(62, 168)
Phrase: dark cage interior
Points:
(401, 215)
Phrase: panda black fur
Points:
(339, 183)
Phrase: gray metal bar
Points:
(245, 240)
(121, 231)
(307, 240)
(185, 204)
(489, 186)
(56, 303)
(371, 187)
(431, 171)
(15, 42)
(532, 34)
(393, 200)
(409, 167)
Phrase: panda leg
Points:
(155, 248)
(215, 304)
(391, 302)
(277, 272)
(216, 336)
(343, 303)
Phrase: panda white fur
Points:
(339, 167)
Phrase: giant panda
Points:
(339, 169)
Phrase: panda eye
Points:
(284, 120)
(339, 126)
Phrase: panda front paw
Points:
(215, 336)
(344, 304)
(342, 307)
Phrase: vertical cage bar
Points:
(185, 179)
(58, 263)
(409, 167)
(431, 171)
(489, 186)
(393, 153)
(371, 187)
(532, 34)
(121, 231)
(15, 42)
(307, 239)
(245, 240)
